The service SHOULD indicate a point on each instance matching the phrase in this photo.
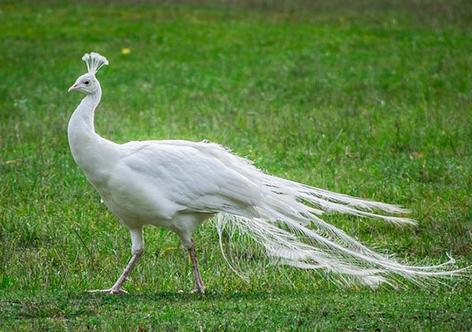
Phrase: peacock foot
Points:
(110, 291)
(198, 290)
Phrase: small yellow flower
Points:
(125, 51)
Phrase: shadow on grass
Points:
(83, 304)
(188, 296)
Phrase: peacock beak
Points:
(73, 88)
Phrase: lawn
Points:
(371, 99)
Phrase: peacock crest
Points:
(94, 62)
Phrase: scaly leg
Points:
(137, 251)
(199, 286)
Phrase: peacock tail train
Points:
(287, 224)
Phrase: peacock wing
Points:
(189, 177)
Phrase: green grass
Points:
(373, 101)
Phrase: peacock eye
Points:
(87, 82)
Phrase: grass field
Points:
(371, 99)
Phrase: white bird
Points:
(179, 184)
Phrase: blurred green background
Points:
(370, 98)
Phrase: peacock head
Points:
(88, 83)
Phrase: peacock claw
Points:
(198, 291)
(109, 291)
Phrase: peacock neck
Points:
(82, 121)
(90, 151)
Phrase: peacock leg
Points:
(137, 252)
(199, 286)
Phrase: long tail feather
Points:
(291, 243)
(286, 222)
(289, 228)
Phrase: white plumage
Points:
(179, 184)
